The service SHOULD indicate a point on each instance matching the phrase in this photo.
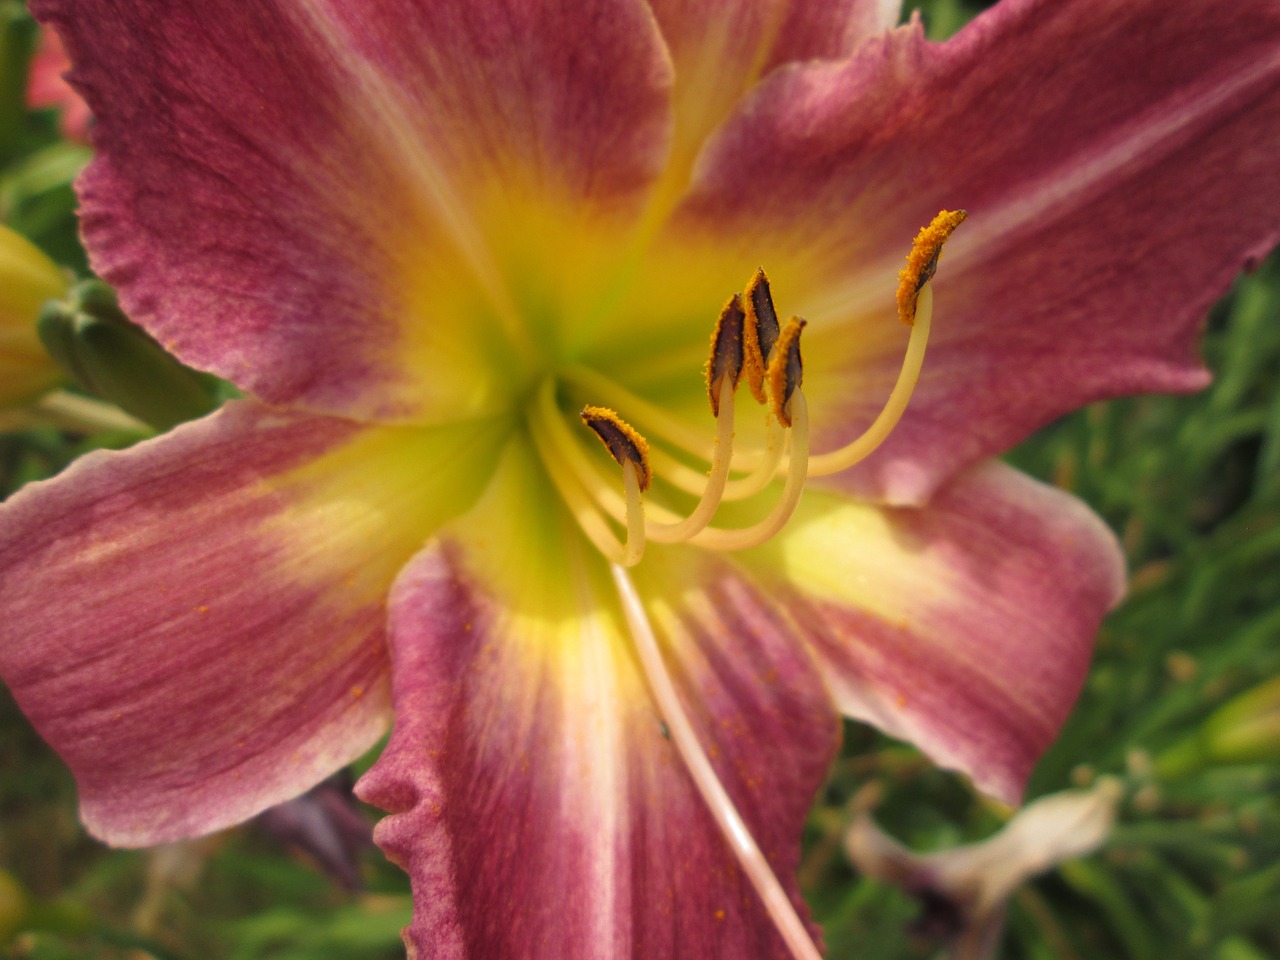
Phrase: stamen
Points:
(580, 504)
(622, 441)
(922, 261)
(834, 461)
(726, 360)
(631, 451)
(760, 332)
(714, 538)
(562, 442)
(584, 492)
(915, 308)
(713, 492)
(766, 466)
(724, 370)
(734, 829)
(657, 422)
(786, 370)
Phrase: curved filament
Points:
(834, 461)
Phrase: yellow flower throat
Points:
(748, 342)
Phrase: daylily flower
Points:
(966, 888)
(422, 237)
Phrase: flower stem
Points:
(72, 412)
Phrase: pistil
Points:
(732, 826)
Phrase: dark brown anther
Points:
(786, 369)
(760, 332)
(726, 351)
(622, 441)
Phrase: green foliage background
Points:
(1191, 484)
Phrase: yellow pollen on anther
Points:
(786, 370)
(759, 332)
(623, 441)
(922, 261)
(726, 359)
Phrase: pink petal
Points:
(812, 29)
(964, 627)
(196, 624)
(721, 48)
(298, 196)
(1118, 165)
(535, 802)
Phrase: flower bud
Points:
(15, 906)
(27, 279)
(1246, 729)
(110, 356)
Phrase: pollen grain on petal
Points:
(922, 261)
(786, 369)
(760, 332)
(726, 350)
(623, 441)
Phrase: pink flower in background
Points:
(47, 89)
(421, 236)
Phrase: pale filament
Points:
(835, 461)
(721, 455)
(734, 829)
(714, 538)
(633, 549)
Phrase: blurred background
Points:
(1182, 706)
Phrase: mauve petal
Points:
(1118, 164)
(813, 29)
(964, 627)
(535, 802)
(297, 196)
(196, 624)
(721, 48)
